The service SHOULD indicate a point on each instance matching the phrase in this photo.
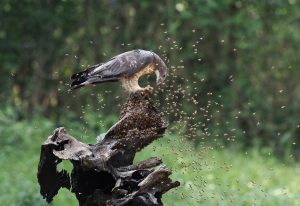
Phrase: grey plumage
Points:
(121, 66)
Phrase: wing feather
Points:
(125, 64)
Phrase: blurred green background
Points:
(232, 96)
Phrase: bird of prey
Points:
(127, 67)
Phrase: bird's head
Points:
(161, 70)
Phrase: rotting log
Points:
(104, 173)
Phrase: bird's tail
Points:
(83, 78)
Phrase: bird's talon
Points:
(148, 90)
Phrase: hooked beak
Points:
(159, 81)
(158, 78)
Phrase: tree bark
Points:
(104, 173)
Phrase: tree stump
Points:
(104, 173)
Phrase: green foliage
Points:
(237, 59)
(20, 134)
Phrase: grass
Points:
(208, 176)
(226, 176)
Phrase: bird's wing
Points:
(125, 64)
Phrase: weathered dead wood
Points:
(104, 173)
